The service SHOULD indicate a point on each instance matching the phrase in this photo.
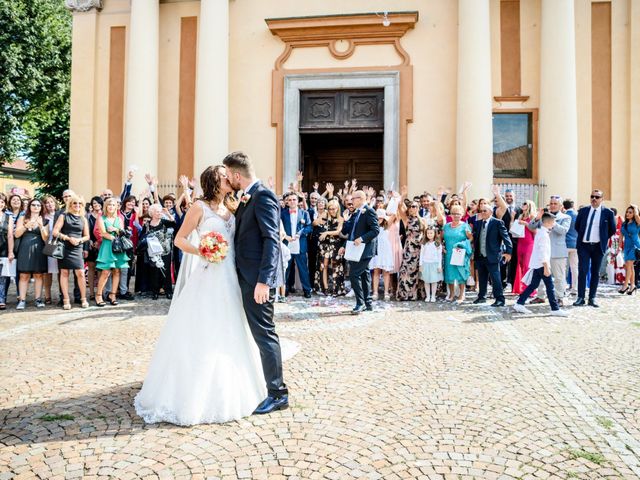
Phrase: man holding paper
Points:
(297, 226)
(361, 232)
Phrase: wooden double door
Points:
(341, 133)
(336, 157)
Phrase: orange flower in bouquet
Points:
(213, 247)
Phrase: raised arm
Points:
(501, 204)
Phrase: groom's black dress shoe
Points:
(592, 303)
(479, 300)
(271, 404)
(358, 310)
(579, 302)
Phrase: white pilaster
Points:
(212, 85)
(474, 135)
(558, 104)
(141, 104)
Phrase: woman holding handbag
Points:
(161, 231)
(73, 228)
(631, 252)
(110, 261)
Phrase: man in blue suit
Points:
(595, 225)
(297, 226)
(362, 227)
(488, 237)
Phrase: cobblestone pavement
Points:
(412, 390)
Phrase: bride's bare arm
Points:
(191, 221)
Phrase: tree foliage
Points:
(35, 79)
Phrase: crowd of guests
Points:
(425, 247)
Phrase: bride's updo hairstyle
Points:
(210, 181)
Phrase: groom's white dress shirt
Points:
(250, 186)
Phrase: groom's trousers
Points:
(360, 278)
(260, 318)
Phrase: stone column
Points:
(83, 87)
(474, 135)
(558, 127)
(634, 102)
(141, 102)
(212, 85)
(619, 193)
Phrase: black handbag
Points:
(54, 249)
(116, 245)
(127, 244)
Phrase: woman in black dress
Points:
(73, 228)
(162, 229)
(33, 232)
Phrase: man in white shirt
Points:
(540, 264)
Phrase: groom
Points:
(257, 245)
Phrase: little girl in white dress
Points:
(431, 263)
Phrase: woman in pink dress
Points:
(525, 245)
(393, 232)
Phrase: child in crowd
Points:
(431, 262)
(539, 265)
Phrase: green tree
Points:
(35, 77)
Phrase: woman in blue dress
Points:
(456, 234)
(630, 232)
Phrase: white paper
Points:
(353, 252)
(7, 268)
(457, 257)
(528, 277)
(517, 229)
(294, 247)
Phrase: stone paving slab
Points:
(412, 390)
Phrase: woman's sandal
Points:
(66, 304)
(99, 301)
(47, 301)
(112, 299)
(84, 303)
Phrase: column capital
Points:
(83, 5)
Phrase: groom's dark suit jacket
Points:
(257, 238)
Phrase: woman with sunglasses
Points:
(631, 247)
(410, 286)
(32, 230)
(72, 227)
(456, 234)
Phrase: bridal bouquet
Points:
(213, 247)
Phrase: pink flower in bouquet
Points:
(213, 247)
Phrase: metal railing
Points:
(526, 191)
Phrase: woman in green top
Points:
(111, 226)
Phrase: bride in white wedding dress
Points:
(206, 365)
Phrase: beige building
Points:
(417, 92)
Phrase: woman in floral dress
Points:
(331, 263)
(410, 286)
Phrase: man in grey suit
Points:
(559, 251)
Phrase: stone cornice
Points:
(83, 5)
(355, 29)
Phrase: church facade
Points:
(417, 92)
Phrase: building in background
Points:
(423, 92)
(14, 178)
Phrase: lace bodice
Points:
(212, 222)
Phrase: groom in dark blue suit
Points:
(297, 227)
(595, 225)
(257, 246)
(362, 227)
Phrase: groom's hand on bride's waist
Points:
(261, 293)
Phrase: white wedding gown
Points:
(206, 366)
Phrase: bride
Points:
(206, 367)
